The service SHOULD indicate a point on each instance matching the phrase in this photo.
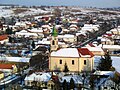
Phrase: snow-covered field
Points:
(115, 62)
(9, 11)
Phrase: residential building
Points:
(9, 68)
(37, 77)
(3, 38)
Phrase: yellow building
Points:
(54, 40)
(77, 59)
(1, 75)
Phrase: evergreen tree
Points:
(66, 68)
(65, 85)
(10, 39)
(33, 44)
(72, 84)
(9, 31)
(105, 63)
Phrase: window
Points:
(84, 62)
(105, 87)
(60, 61)
(53, 42)
(112, 88)
(72, 62)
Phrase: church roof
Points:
(72, 52)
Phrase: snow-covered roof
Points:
(68, 36)
(38, 76)
(20, 24)
(105, 39)
(95, 49)
(36, 30)
(48, 42)
(72, 52)
(15, 59)
(115, 29)
(110, 73)
(26, 34)
(66, 52)
(77, 79)
(110, 46)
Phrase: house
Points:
(1, 75)
(106, 80)
(69, 38)
(110, 47)
(23, 24)
(73, 27)
(95, 50)
(51, 85)
(107, 41)
(54, 83)
(27, 33)
(77, 59)
(38, 77)
(90, 27)
(115, 31)
(6, 67)
(3, 39)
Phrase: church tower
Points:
(54, 40)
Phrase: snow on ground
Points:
(115, 62)
(9, 12)
(33, 11)
(5, 12)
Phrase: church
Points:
(76, 59)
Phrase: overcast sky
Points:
(94, 3)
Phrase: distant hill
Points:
(8, 5)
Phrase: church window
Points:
(60, 61)
(53, 42)
(84, 62)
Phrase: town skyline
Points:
(82, 3)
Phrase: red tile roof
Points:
(3, 37)
(6, 66)
(85, 51)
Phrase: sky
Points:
(87, 3)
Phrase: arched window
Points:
(85, 62)
(60, 61)
(72, 62)
(53, 42)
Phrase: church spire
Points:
(54, 32)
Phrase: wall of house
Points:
(107, 42)
(69, 39)
(28, 83)
(1, 75)
(98, 52)
(15, 69)
(3, 41)
(116, 32)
